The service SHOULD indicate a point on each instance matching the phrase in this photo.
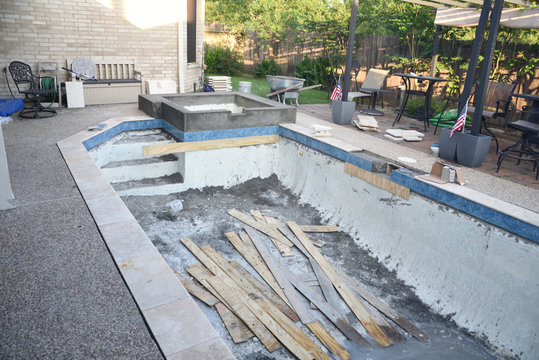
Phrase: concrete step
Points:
(128, 145)
(163, 185)
(141, 161)
(141, 169)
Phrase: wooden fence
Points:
(372, 52)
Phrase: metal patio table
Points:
(426, 112)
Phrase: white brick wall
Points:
(54, 30)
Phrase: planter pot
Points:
(342, 111)
(472, 149)
(448, 146)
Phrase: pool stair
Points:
(131, 173)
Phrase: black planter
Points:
(342, 111)
(472, 149)
(448, 146)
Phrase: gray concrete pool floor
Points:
(62, 295)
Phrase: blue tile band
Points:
(499, 219)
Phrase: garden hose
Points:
(48, 83)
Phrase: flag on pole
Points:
(459, 124)
(337, 91)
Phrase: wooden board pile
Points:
(270, 310)
(219, 83)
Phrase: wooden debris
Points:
(283, 249)
(357, 308)
(265, 337)
(325, 284)
(236, 328)
(256, 262)
(382, 307)
(318, 243)
(319, 228)
(262, 316)
(179, 147)
(329, 342)
(267, 292)
(378, 181)
(197, 291)
(260, 227)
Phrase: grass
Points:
(260, 87)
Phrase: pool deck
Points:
(63, 294)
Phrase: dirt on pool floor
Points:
(202, 216)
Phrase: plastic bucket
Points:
(245, 86)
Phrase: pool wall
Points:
(461, 263)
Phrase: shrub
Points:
(267, 67)
(221, 59)
(314, 72)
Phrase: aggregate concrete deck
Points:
(63, 294)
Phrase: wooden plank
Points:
(378, 181)
(273, 233)
(197, 291)
(279, 91)
(287, 340)
(266, 291)
(310, 87)
(208, 145)
(292, 294)
(257, 263)
(261, 332)
(382, 307)
(318, 243)
(331, 313)
(201, 274)
(236, 328)
(348, 296)
(261, 219)
(242, 281)
(319, 228)
(325, 284)
(329, 342)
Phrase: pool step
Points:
(138, 169)
(162, 185)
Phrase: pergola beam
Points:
(426, 3)
(453, 3)
(463, 3)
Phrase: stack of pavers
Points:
(219, 83)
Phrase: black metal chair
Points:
(354, 72)
(28, 84)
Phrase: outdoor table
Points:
(534, 111)
(372, 110)
(427, 111)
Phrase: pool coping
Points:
(163, 301)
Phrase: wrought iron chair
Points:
(28, 84)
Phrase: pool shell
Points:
(160, 295)
(257, 111)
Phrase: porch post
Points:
(474, 57)
(435, 50)
(487, 63)
(350, 50)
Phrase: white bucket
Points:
(245, 86)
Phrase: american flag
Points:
(337, 91)
(459, 124)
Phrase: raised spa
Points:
(216, 111)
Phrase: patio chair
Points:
(373, 82)
(496, 105)
(26, 84)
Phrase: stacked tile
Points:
(219, 83)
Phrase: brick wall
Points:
(54, 30)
